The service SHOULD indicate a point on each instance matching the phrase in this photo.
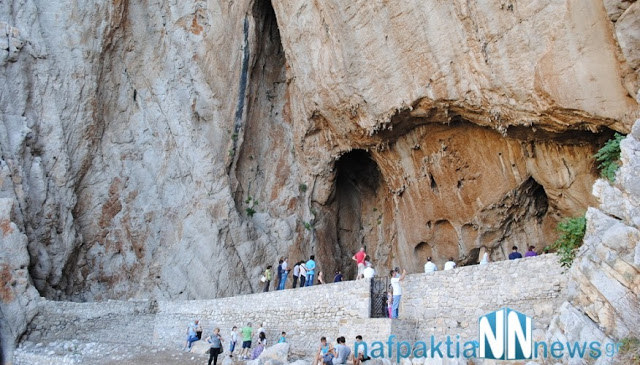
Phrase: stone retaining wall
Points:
(450, 302)
(304, 313)
(110, 321)
(445, 302)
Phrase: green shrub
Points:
(250, 212)
(630, 351)
(609, 157)
(571, 234)
(308, 226)
(303, 187)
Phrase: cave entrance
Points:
(358, 179)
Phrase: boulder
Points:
(277, 354)
(200, 347)
(299, 362)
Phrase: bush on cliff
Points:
(609, 157)
(571, 234)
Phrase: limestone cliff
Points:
(138, 138)
(604, 285)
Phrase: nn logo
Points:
(505, 335)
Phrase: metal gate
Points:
(379, 288)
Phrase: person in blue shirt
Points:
(283, 338)
(515, 254)
(192, 334)
(338, 277)
(311, 266)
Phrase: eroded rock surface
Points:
(18, 297)
(604, 280)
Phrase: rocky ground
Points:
(77, 352)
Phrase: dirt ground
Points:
(166, 357)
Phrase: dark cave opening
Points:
(358, 179)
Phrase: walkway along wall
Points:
(441, 303)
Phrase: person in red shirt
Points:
(359, 259)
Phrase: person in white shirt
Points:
(303, 274)
(485, 259)
(396, 278)
(285, 272)
(430, 266)
(369, 272)
(296, 274)
(234, 340)
(449, 265)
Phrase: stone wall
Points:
(304, 313)
(109, 321)
(445, 302)
(450, 302)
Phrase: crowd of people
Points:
(304, 272)
(429, 266)
(253, 342)
(304, 275)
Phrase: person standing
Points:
(320, 278)
(303, 273)
(359, 259)
(531, 252)
(267, 275)
(450, 265)
(296, 274)
(285, 273)
(277, 282)
(515, 254)
(215, 346)
(311, 266)
(390, 301)
(396, 278)
(369, 272)
(233, 341)
(485, 258)
(247, 334)
(430, 266)
(337, 277)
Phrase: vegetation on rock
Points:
(630, 351)
(609, 157)
(572, 232)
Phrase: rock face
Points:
(18, 297)
(170, 149)
(604, 280)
